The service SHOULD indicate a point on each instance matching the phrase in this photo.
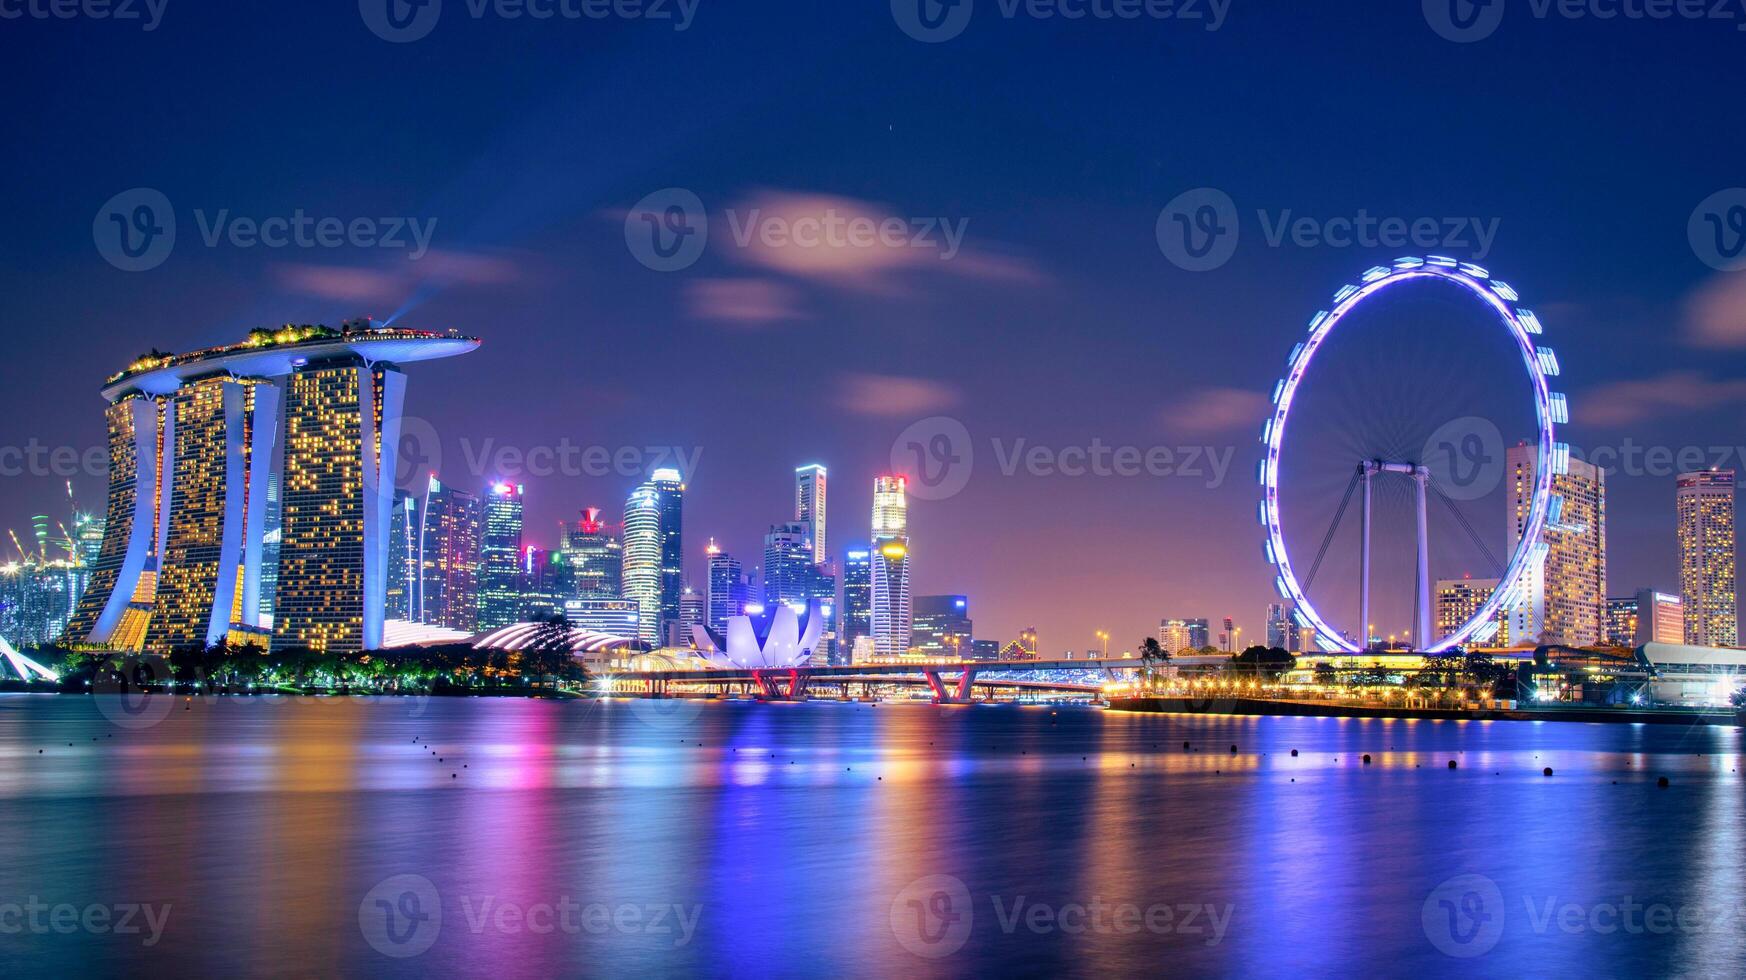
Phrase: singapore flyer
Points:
(1386, 456)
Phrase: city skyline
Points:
(540, 266)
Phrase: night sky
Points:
(1059, 320)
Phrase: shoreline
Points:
(1315, 709)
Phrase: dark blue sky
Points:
(1053, 143)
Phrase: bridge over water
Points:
(951, 683)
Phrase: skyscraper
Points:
(1458, 600)
(501, 573)
(402, 557)
(288, 442)
(1278, 626)
(809, 507)
(670, 497)
(1563, 595)
(793, 577)
(890, 578)
(693, 610)
(727, 588)
(595, 556)
(1705, 504)
(942, 626)
(449, 558)
(654, 565)
(1173, 636)
(857, 607)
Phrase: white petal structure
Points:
(778, 638)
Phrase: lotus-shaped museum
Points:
(778, 637)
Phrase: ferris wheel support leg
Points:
(1364, 566)
(1422, 619)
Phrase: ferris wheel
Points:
(1550, 409)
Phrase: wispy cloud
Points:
(1673, 393)
(889, 395)
(391, 283)
(742, 302)
(1211, 411)
(858, 244)
(1716, 313)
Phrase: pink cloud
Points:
(392, 283)
(1214, 410)
(745, 302)
(887, 395)
(1716, 313)
(340, 283)
(856, 244)
(1673, 393)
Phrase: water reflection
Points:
(749, 839)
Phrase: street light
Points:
(1101, 635)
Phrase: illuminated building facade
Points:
(595, 557)
(220, 426)
(1562, 597)
(449, 558)
(890, 577)
(251, 488)
(501, 573)
(1705, 509)
(1278, 626)
(809, 507)
(130, 535)
(402, 558)
(857, 606)
(1458, 600)
(728, 591)
(641, 576)
(670, 504)
(942, 626)
(1173, 636)
(341, 438)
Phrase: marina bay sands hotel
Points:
(250, 491)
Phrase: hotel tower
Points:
(201, 444)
